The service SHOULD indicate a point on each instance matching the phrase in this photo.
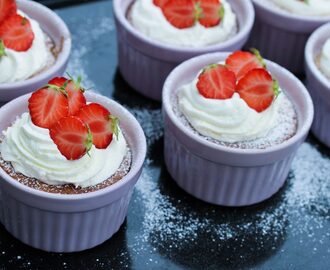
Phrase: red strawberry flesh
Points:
(216, 82)
(258, 89)
(242, 62)
(71, 137)
(48, 105)
(16, 33)
(101, 123)
(7, 8)
(76, 97)
(212, 12)
(181, 13)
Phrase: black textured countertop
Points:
(168, 229)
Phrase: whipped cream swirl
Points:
(149, 19)
(18, 66)
(228, 120)
(325, 59)
(309, 8)
(32, 152)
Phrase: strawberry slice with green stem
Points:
(216, 82)
(48, 105)
(7, 8)
(16, 33)
(181, 13)
(101, 123)
(74, 90)
(258, 89)
(242, 62)
(212, 12)
(72, 137)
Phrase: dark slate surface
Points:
(168, 229)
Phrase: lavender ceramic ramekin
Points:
(145, 63)
(68, 223)
(318, 84)
(281, 36)
(223, 175)
(54, 26)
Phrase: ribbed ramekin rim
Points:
(167, 108)
(287, 15)
(244, 31)
(62, 57)
(324, 30)
(137, 162)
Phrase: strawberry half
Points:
(160, 3)
(72, 137)
(16, 33)
(181, 13)
(216, 82)
(212, 12)
(75, 92)
(241, 62)
(7, 8)
(258, 89)
(101, 123)
(48, 105)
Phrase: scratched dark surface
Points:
(165, 227)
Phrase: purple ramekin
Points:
(54, 26)
(68, 223)
(318, 84)
(223, 175)
(281, 36)
(145, 63)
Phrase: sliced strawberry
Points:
(72, 137)
(241, 62)
(48, 105)
(181, 13)
(258, 89)
(212, 12)
(216, 82)
(75, 92)
(7, 8)
(160, 3)
(101, 123)
(16, 33)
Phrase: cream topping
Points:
(308, 7)
(18, 66)
(229, 120)
(33, 153)
(149, 19)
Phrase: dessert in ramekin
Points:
(68, 166)
(282, 28)
(317, 65)
(236, 151)
(146, 59)
(28, 61)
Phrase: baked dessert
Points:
(242, 115)
(64, 145)
(85, 162)
(317, 57)
(282, 28)
(28, 61)
(155, 36)
(25, 49)
(233, 122)
(184, 22)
